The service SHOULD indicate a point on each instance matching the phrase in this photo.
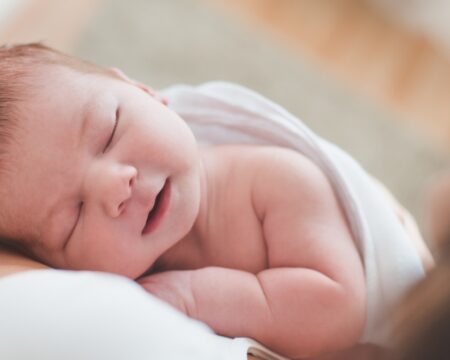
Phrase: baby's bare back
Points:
(279, 263)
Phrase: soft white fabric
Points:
(56, 314)
(224, 113)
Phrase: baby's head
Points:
(96, 172)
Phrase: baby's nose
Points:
(119, 189)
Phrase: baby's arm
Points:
(295, 312)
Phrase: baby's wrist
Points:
(173, 287)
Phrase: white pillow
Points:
(56, 314)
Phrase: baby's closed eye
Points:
(113, 131)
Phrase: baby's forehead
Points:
(56, 77)
(59, 77)
(60, 94)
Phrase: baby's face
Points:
(103, 177)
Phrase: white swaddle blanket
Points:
(220, 113)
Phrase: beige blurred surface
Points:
(402, 70)
(57, 23)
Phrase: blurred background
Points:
(372, 76)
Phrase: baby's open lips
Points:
(159, 209)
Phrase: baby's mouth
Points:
(159, 209)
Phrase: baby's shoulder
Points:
(269, 172)
(294, 202)
(285, 177)
(261, 159)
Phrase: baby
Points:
(99, 174)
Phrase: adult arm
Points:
(12, 262)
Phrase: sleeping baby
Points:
(213, 198)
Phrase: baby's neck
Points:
(227, 231)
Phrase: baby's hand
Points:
(173, 287)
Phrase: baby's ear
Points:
(120, 74)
